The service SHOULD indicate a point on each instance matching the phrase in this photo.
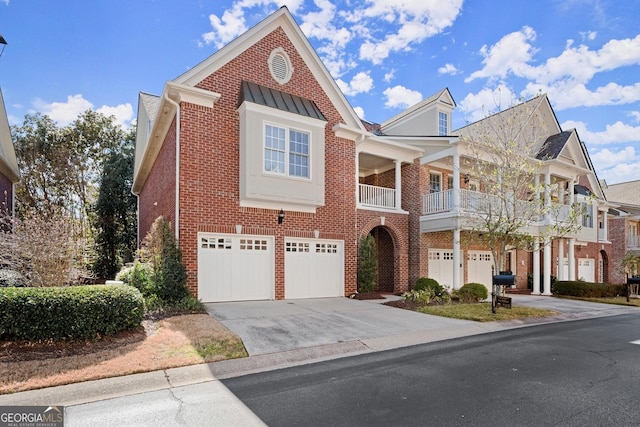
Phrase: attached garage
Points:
(587, 269)
(314, 268)
(234, 267)
(479, 268)
(440, 266)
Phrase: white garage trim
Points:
(235, 267)
(314, 268)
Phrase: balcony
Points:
(474, 202)
(371, 196)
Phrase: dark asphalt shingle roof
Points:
(553, 146)
(283, 101)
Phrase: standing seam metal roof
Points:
(283, 101)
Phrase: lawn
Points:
(159, 344)
(481, 312)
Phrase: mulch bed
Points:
(405, 304)
(367, 295)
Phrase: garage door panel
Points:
(440, 266)
(314, 268)
(235, 267)
(479, 268)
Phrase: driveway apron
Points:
(274, 326)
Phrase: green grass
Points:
(231, 349)
(482, 312)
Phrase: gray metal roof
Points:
(283, 101)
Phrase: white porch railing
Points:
(633, 241)
(377, 197)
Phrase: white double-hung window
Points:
(286, 151)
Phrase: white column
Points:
(398, 184)
(605, 227)
(572, 197)
(536, 195)
(546, 259)
(561, 259)
(357, 178)
(572, 260)
(457, 258)
(456, 181)
(536, 268)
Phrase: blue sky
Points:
(66, 56)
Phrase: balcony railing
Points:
(633, 242)
(481, 203)
(376, 197)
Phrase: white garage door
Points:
(479, 268)
(441, 266)
(313, 268)
(233, 267)
(587, 269)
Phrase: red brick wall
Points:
(158, 196)
(618, 232)
(6, 193)
(209, 171)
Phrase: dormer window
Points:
(443, 124)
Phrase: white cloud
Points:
(64, 113)
(360, 83)
(588, 35)
(448, 69)
(510, 54)
(400, 96)
(613, 134)
(359, 111)
(616, 165)
(635, 115)
(569, 94)
(621, 172)
(389, 76)
(486, 102)
(415, 21)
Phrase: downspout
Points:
(177, 213)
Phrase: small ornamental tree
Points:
(169, 275)
(367, 265)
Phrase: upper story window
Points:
(435, 182)
(286, 151)
(443, 123)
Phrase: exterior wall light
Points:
(280, 216)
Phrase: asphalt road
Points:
(582, 373)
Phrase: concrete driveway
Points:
(275, 326)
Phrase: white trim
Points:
(176, 220)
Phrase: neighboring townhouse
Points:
(450, 195)
(624, 224)
(255, 156)
(9, 172)
(270, 181)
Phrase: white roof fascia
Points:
(8, 162)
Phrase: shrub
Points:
(74, 312)
(472, 292)
(431, 284)
(367, 265)
(139, 276)
(421, 297)
(161, 251)
(530, 280)
(588, 290)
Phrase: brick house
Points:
(9, 172)
(270, 179)
(624, 223)
(254, 155)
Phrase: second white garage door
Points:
(233, 267)
(314, 268)
(479, 268)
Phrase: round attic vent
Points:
(280, 66)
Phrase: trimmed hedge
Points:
(428, 283)
(588, 289)
(74, 312)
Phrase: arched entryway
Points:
(386, 258)
(603, 274)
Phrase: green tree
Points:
(367, 265)
(115, 211)
(161, 250)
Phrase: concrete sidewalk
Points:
(307, 331)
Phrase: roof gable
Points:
(282, 18)
(417, 112)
